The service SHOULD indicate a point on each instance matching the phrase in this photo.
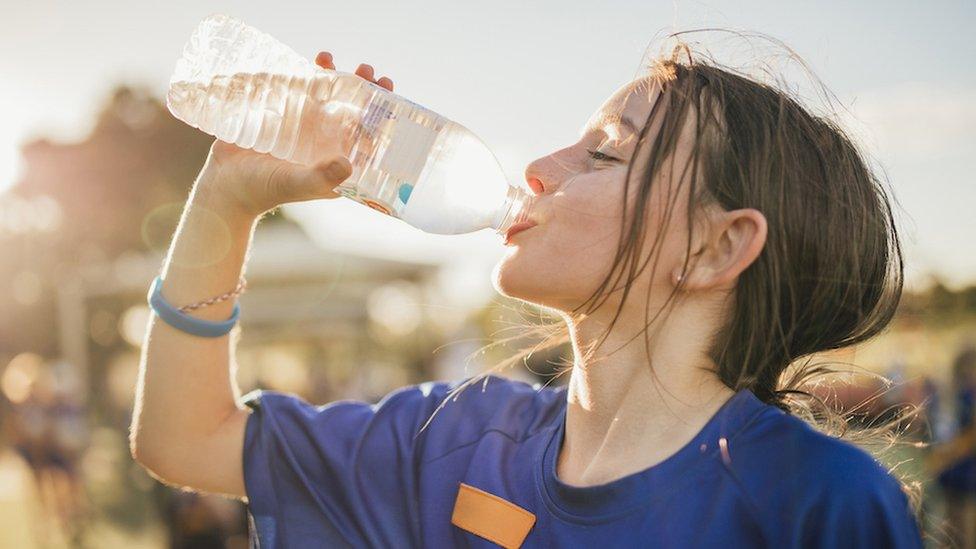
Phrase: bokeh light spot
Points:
(132, 326)
(158, 225)
(20, 375)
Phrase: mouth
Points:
(517, 228)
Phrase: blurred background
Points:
(346, 303)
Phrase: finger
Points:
(318, 181)
(221, 150)
(385, 82)
(324, 60)
(223, 147)
(365, 71)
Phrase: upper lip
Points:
(520, 226)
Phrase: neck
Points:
(630, 407)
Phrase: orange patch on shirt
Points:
(491, 517)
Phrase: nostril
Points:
(536, 185)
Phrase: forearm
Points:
(186, 391)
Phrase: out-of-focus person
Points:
(47, 427)
(197, 521)
(954, 461)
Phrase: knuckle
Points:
(336, 170)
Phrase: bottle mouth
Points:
(518, 204)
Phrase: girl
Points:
(751, 234)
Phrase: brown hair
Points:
(831, 272)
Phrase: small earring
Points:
(680, 278)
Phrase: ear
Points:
(734, 241)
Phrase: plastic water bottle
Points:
(244, 87)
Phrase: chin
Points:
(522, 282)
(513, 280)
(501, 278)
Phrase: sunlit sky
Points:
(525, 76)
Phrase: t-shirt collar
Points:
(611, 500)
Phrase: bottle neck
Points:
(516, 208)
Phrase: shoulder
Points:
(494, 399)
(475, 405)
(433, 417)
(794, 475)
(822, 462)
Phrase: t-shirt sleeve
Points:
(874, 514)
(343, 474)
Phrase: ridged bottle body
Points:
(244, 87)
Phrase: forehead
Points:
(626, 109)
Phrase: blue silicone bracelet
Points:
(186, 323)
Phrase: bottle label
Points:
(408, 149)
(377, 111)
(397, 138)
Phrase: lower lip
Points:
(516, 229)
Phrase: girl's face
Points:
(580, 190)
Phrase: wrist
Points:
(212, 239)
(229, 207)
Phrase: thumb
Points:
(318, 181)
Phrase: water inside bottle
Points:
(462, 190)
(408, 162)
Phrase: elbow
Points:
(187, 458)
(155, 455)
(154, 444)
(138, 449)
(145, 451)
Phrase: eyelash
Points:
(597, 155)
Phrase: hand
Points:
(324, 60)
(251, 183)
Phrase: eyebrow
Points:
(625, 122)
(629, 124)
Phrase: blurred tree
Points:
(120, 189)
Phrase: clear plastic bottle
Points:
(244, 87)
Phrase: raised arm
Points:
(187, 425)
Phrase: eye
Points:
(597, 155)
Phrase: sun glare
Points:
(9, 162)
(10, 140)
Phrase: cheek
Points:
(564, 260)
(589, 223)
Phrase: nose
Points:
(536, 185)
(537, 178)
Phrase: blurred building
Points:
(314, 322)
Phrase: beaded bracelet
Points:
(241, 286)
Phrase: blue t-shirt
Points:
(354, 474)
